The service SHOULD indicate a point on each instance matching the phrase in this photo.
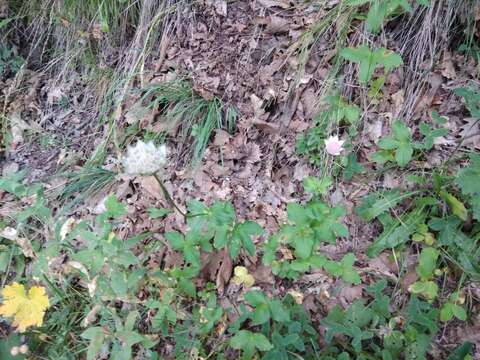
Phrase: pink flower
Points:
(333, 145)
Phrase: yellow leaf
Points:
(297, 296)
(27, 309)
(243, 277)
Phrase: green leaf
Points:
(243, 340)
(96, 337)
(403, 154)
(459, 312)
(248, 341)
(241, 236)
(427, 263)
(387, 58)
(261, 314)
(352, 167)
(158, 213)
(261, 342)
(376, 16)
(401, 131)
(316, 186)
(446, 313)
(398, 232)
(176, 239)
(188, 287)
(457, 207)
(382, 156)
(388, 143)
(373, 205)
(255, 298)
(467, 178)
(303, 246)
(119, 283)
(463, 351)
(115, 209)
(427, 289)
(278, 311)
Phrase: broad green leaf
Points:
(352, 167)
(457, 207)
(388, 143)
(427, 289)
(261, 342)
(119, 283)
(261, 314)
(243, 340)
(278, 311)
(446, 313)
(467, 180)
(176, 239)
(255, 298)
(403, 154)
(317, 186)
(188, 287)
(368, 60)
(96, 337)
(459, 312)
(382, 156)
(376, 16)
(387, 58)
(427, 263)
(114, 208)
(401, 131)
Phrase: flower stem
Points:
(167, 195)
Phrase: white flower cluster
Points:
(144, 158)
(333, 145)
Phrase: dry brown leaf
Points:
(448, 68)
(3, 8)
(277, 25)
(151, 185)
(222, 137)
(409, 278)
(398, 101)
(217, 267)
(470, 132)
(274, 3)
(263, 275)
(220, 7)
(269, 128)
(351, 293)
(24, 244)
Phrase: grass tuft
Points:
(196, 117)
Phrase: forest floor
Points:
(277, 82)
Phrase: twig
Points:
(167, 196)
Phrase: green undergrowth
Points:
(113, 303)
(178, 105)
(109, 298)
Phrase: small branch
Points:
(167, 196)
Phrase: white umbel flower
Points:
(144, 158)
(333, 145)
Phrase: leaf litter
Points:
(239, 52)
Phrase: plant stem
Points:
(167, 195)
